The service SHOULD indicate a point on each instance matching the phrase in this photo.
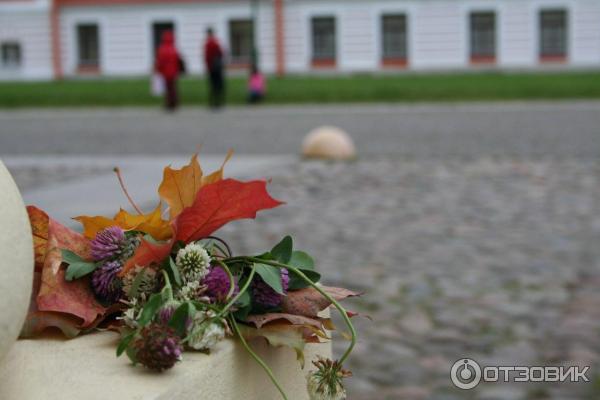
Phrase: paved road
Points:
(463, 130)
(483, 257)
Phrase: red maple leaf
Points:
(148, 253)
(219, 203)
(215, 205)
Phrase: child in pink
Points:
(257, 86)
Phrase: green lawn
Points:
(305, 89)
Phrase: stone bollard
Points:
(16, 261)
(328, 142)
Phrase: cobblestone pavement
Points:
(497, 259)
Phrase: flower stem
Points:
(257, 358)
(118, 172)
(230, 276)
(218, 239)
(240, 293)
(333, 301)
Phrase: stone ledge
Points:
(87, 368)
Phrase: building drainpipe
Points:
(279, 38)
(55, 39)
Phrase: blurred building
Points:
(44, 39)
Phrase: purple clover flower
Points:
(217, 284)
(264, 294)
(165, 314)
(158, 347)
(106, 284)
(171, 347)
(107, 243)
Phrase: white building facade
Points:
(46, 39)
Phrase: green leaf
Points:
(243, 300)
(148, 238)
(271, 276)
(173, 271)
(70, 258)
(242, 313)
(299, 283)
(78, 267)
(124, 343)
(266, 256)
(302, 260)
(180, 317)
(131, 353)
(283, 250)
(150, 309)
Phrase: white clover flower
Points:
(193, 262)
(318, 391)
(205, 333)
(325, 383)
(189, 291)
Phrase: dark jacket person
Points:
(213, 59)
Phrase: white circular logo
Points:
(465, 374)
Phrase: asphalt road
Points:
(564, 129)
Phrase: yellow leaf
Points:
(179, 186)
(93, 225)
(150, 223)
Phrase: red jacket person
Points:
(168, 66)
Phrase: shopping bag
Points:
(157, 85)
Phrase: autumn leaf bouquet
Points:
(168, 284)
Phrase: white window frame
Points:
(377, 20)
(496, 32)
(380, 37)
(76, 43)
(336, 28)
(19, 64)
(228, 38)
(568, 28)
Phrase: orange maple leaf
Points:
(179, 186)
(151, 223)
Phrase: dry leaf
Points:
(309, 302)
(282, 334)
(259, 320)
(70, 306)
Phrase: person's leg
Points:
(253, 97)
(212, 89)
(175, 94)
(219, 88)
(169, 94)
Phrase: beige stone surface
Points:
(16, 261)
(328, 142)
(87, 368)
